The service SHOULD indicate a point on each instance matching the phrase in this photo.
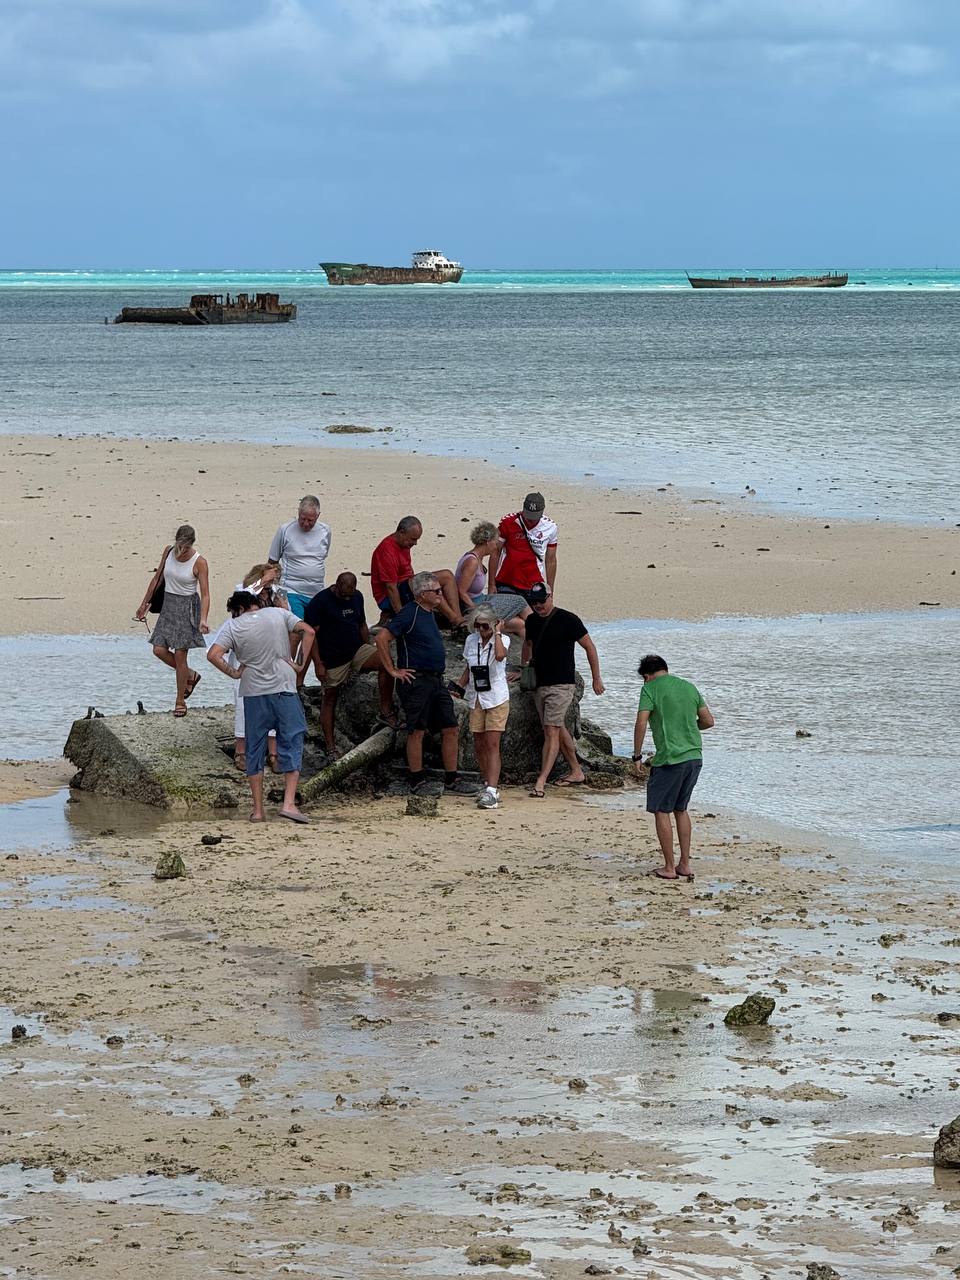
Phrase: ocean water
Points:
(833, 402)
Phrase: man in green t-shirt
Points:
(676, 713)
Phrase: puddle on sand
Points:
(68, 818)
(186, 1193)
(59, 893)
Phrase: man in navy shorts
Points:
(419, 670)
(676, 714)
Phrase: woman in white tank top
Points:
(182, 623)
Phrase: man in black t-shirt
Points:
(551, 635)
(343, 649)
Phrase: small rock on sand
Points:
(754, 1012)
(499, 1253)
(821, 1271)
(170, 866)
(422, 807)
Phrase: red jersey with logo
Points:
(389, 563)
(524, 551)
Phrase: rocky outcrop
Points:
(946, 1149)
(159, 760)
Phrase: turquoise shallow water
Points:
(601, 281)
(828, 402)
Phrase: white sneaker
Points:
(489, 798)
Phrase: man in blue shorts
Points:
(419, 670)
(676, 714)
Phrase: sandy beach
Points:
(85, 520)
(384, 1046)
(361, 1050)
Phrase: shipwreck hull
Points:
(361, 273)
(770, 282)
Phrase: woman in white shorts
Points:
(488, 696)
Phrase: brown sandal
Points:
(180, 711)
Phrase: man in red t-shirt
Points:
(391, 569)
(529, 554)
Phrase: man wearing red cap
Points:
(529, 554)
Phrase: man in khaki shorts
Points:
(344, 648)
(551, 635)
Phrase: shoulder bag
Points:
(156, 600)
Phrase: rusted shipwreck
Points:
(215, 308)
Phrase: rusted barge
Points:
(215, 308)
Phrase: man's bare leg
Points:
(450, 749)
(684, 833)
(328, 712)
(415, 751)
(569, 749)
(290, 781)
(256, 790)
(385, 684)
(551, 748)
(665, 836)
(450, 608)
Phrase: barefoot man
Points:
(260, 640)
(676, 714)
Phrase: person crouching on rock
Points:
(488, 697)
(260, 639)
(343, 649)
(419, 670)
(676, 713)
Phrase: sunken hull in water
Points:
(429, 266)
(215, 308)
(833, 280)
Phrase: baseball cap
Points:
(534, 503)
(538, 594)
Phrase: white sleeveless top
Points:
(178, 579)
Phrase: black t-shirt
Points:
(553, 654)
(337, 621)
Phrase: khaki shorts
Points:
(489, 719)
(339, 675)
(553, 702)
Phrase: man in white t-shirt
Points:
(529, 554)
(301, 548)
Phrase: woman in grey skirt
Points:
(476, 571)
(182, 623)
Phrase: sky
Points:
(508, 133)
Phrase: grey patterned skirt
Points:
(178, 626)
(503, 604)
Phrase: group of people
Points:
(283, 619)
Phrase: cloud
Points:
(566, 48)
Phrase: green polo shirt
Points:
(673, 705)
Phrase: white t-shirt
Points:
(303, 555)
(260, 640)
(478, 654)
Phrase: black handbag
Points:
(156, 600)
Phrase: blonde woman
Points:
(182, 623)
(476, 580)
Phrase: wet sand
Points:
(85, 520)
(357, 1050)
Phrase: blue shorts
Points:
(298, 603)
(280, 711)
(406, 595)
(670, 786)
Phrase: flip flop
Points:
(192, 684)
(685, 875)
(295, 817)
(669, 879)
(536, 795)
(574, 782)
(388, 722)
(179, 712)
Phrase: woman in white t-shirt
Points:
(488, 697)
